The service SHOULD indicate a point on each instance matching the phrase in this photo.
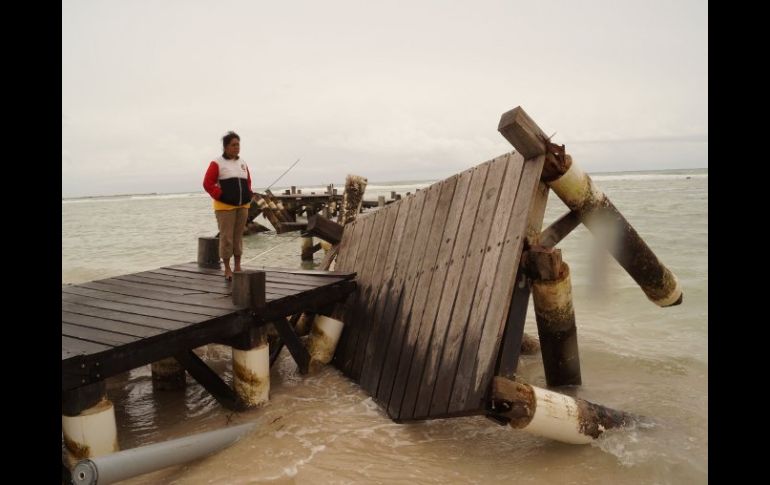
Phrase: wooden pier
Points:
(433, 329)
(116, 324)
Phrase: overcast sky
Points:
(389, 90)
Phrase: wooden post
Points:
(293, 189)
(88, 423)
(553, 415)
(251, 366)
(555, 316)
(208, 252)
(168, 375)
(325, 229)
(576, 189)
(249, 289)
(307, 249)
(393, 195)
(355, 186)
(381, 201)
(284, 227)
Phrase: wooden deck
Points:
(116, 324)
(436, 274)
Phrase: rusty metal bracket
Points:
(556, 161)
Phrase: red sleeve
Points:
(210, 181)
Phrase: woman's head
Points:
(231, 144)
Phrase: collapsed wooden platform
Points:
(436, 273)
(444, 280)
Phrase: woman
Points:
(228, 182)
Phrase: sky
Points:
(393, 91)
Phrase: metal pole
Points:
(145, 459)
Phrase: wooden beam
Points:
(210, 381)
(522, 132)
(249, 289)
(321, 227)
(73, 402)
(558, 230)
(290, 227)
(208, 252)
(95, 367)
(292, 342)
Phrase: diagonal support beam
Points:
(210, 380)
(292, 342)
(558, 230)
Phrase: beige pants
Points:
(231, 224)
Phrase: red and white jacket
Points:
(228, 182)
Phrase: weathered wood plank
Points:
(348, 259)
(378, 277)
(452, 282)
(160, 291)
(472, 266)
(194, 268)
(366, 248)
(395, 292)
(70, 314)
(219, 287)
(79, 346)
(499, 240)
(489, 345)
(344, 262)
(95, 335)
(366, 278)
(427, 337)
(140, 302)
(401, 322)
(217, 279)
(129, 317)
(416, 327)
(380, 333)
(510, 348)
(201, 300)
(129, 313)
(223, 289)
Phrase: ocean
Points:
(323, 429)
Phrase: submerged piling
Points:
(92, 431)
(322, 341)
(555, 316)
(552, 415)
(167, 375)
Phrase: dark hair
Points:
(227, 139)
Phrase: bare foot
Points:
(228, 275)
